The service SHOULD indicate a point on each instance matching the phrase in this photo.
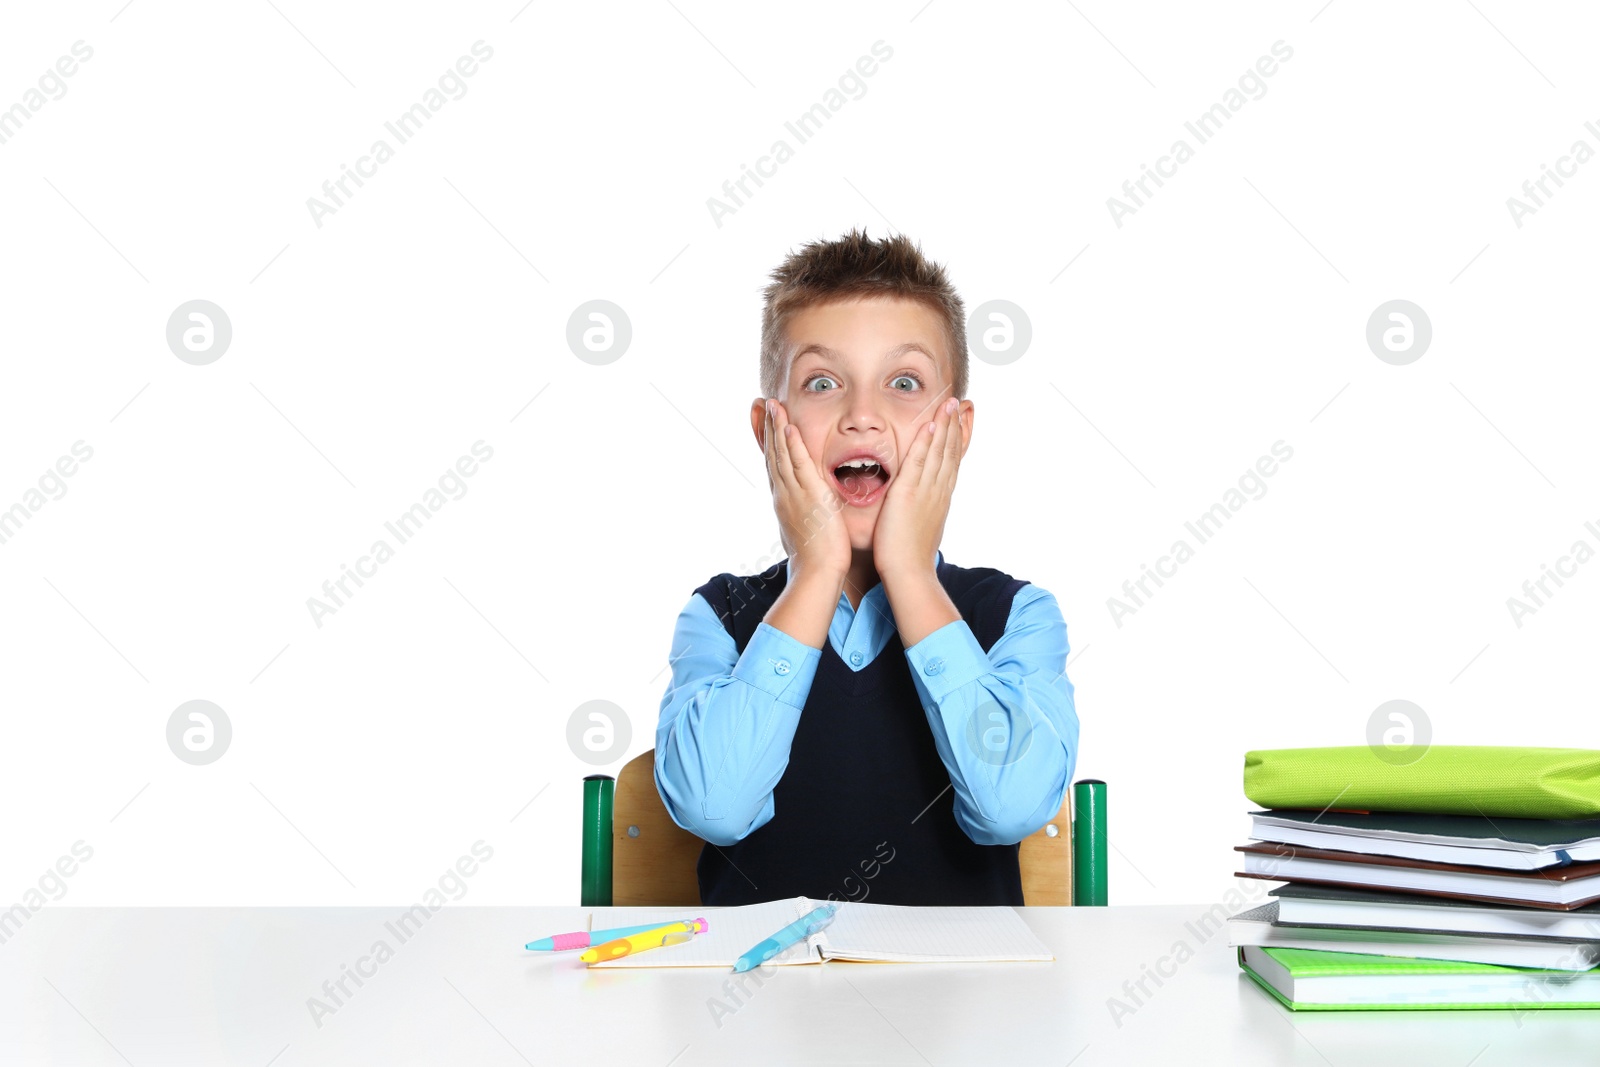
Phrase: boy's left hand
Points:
(911, 521)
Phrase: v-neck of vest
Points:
(879, 674)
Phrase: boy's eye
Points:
(916, 383)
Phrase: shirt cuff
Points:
(946, 660)
(778, 665)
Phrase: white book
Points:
(1512, 844)
(862, 932)
(1263, 926)
(1565, 887)
(1321, 905)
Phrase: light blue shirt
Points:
(727, 720)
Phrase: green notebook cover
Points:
(1524, 783)
(1304, 964)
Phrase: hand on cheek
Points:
(807, 508)
(912, 516)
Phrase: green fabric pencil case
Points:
(1521, 783)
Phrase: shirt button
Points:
(855, 659)
(934, 666)
(781, 666)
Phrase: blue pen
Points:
(590, 938)
(792, 934)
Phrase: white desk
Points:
(215, 986)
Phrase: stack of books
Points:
(1402, 910)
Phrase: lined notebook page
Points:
(730, 933)
(894, 933)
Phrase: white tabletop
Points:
(147, 986)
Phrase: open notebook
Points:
(868, 933)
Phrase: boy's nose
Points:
(864, 414)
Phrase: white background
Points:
(368, 354)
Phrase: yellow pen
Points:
(670, 934)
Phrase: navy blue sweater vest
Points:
(865, 809)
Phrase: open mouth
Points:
(860, 481)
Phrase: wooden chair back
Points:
(653, 859)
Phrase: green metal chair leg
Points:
(1089, 843)
(598, 790)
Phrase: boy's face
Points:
(865, 376)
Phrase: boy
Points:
(864, 718)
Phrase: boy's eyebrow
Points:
(824, 352)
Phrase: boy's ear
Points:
(758, 415)
(966, 413)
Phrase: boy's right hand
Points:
(810, 511)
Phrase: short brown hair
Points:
(857, 266)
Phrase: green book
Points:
(1482, 780)
(1318, 980)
